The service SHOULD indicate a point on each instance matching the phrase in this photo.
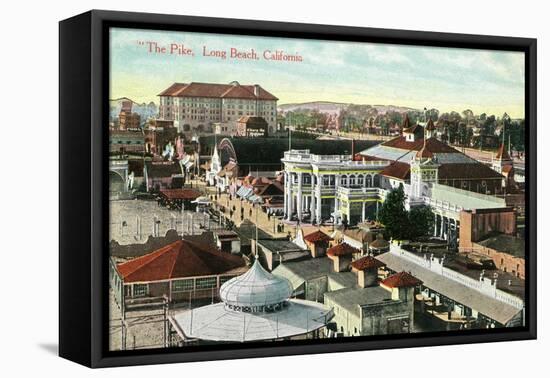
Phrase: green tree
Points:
(421, 222)
(393, 214)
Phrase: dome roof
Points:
(379, 243)
(255, 288)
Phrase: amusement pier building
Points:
(350, 188)
(255, 306)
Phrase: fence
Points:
(484, 285)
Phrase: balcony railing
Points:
(443, 205)
(306, 156)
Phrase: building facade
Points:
(350, 188)
(197, 107)
(323, 187)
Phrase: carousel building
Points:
(255, 306)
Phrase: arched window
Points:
(368, 182)
(360, 180)
(344, 180)
(352, 180)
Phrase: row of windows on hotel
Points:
(229, 112)
(330, 180)
(204, 118)
(177, 286)
(218, 106)
(170, 100)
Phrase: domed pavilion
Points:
(255, 306)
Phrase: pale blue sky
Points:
(363, 73)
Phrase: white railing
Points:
(378, 192)
(118, 162)
(330, 158)
(347, 160)
(484, 285)
(442, 205)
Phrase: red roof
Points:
(430, 125)
(456, 171)
(397, 170)
(424, 153)
(342, 249)
(317, 236)
(367, 262)
(466, 171)
(172, 89)
(402, 279)
(432, 144)
(179, 260)
(507, 168)
(406, 122)
(182, 193)
(502, 153)
(213, 90)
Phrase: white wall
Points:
(29, 98)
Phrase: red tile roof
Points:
(172, 89)
(183, 193)
(180, 259)
(367, 262)
(432, 144)
(502, 153)
(397, 170)
(466, 171)
(213, 90)
(379, 243)
(317, 236)
(342, 249)
(402, 279)
(424, 153)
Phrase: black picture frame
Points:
(83, 196)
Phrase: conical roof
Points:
(402, 279)
(256, 287)
(502, 153)
(379, 243)
(430, 125)
(406, 122)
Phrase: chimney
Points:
(367, 277)
(256, 90)
(353, 149)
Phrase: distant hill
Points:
(337, 107)
(145, 111)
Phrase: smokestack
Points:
(353, 149)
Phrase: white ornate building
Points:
(321, 187)
(345, 188)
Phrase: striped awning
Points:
(255, 198)
(243, 191)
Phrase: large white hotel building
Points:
(197, 107)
